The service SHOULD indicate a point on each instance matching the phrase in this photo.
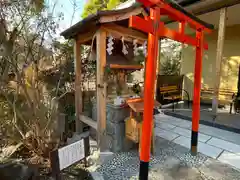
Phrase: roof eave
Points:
(94, 19)
(72, 31)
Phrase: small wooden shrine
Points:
(116, 35)
(115, 48)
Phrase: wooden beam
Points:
(89, 121)
(78, 88)
(164, 32)
(101, 89)
(120, 31)
(219, 57)
(120, 66)
(85, 37)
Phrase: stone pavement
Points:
(213, 142)
(170, 162)
(224, 120)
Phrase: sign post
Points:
(69, 155)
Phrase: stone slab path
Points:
(213, 142)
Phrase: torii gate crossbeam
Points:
(156, 29)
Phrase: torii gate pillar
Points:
(196, 92)
(149, 83)
(156, 30)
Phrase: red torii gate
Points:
(156, 29)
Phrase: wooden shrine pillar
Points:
(78, 86)
(101, 89)
(219, 57)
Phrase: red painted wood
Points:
(147, 27)
(197, 82)
(150, 77)
(174, 35)
(173, 13)
(141, 24)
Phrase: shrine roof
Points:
(94, 20)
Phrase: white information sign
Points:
(70, 154)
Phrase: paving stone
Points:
(160, 116)
(209, 150)
(168, 135)
(183, 141)
(187, 133)
(206, 130)
(203, 137)
(230, 158)
(221, 134)
(203, 129)
(225, 145)
(183, 123)
(165, 126)
(202, 147)
(182, 131)
(177, 122)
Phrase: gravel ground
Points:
(170, 162)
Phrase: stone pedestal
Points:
(115, 128)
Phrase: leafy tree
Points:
(92, 6)
(113, 3)
(28, 110)
(171, 58)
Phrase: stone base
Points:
(115, 128)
